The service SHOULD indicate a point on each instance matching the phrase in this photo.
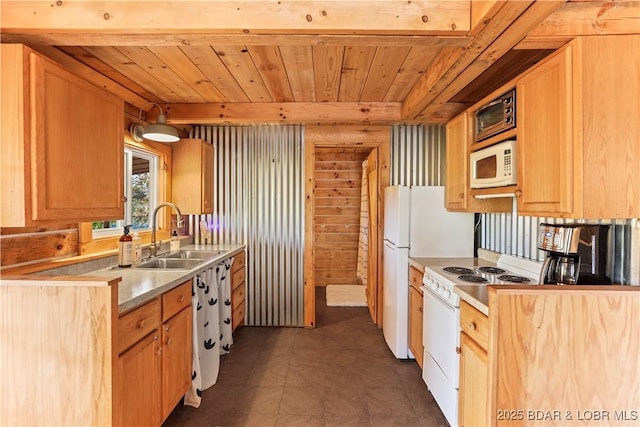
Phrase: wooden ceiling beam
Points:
(588, 18)
(427, 17)
(183, 39)
(450, 64)
(538, 11)
(284, 112)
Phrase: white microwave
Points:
(494, 166)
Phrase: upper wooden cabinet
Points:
(457, 197)
(578, 133)
(62, 144)
(192, 176)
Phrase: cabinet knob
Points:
(473, 326)
(420, 309)
(169, 341)
(142, 323)
(458, 350)
(518, 193)
(181, 298)
(461, 196)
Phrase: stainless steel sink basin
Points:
(171, 263)
(187, 254)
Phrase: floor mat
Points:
(346, 296)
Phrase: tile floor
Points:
(339, 374)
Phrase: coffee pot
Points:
(561, 269)
(576, 254)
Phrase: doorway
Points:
(325, 235)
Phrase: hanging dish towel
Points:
(211, 303)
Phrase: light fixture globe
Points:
(159, 131)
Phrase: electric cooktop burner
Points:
(472, 278)
(514, 279)
(491, 270)
(458, 270)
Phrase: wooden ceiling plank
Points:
(179, 90)
(287, 112)
(588, 18)
(82, 70)
(445, 69)
(385, 67)
(242, 68)
(355, 69)
(509, 38)
(206, 59)
(84, 56)
(298, 61)
(327, 67)
(188, 72)
(294, 16)
(418, 60)
(124, 65)
(269, 63)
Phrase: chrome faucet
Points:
(153, 247)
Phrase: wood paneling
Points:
(567, 348)
(338, 180)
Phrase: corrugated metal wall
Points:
(517, 235)
(417, 155)
(259, 200)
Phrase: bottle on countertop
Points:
(174, 245)
(125, 246)
(136, 254)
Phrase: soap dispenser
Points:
(125, 247)
(174, 245)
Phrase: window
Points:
(140, 190)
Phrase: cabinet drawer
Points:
(237, 297)
(237, 316)
(238, 278)
(238, 262)
(474, 323)
(136, 324)
(415, 278)
(175, 300)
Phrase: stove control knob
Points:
(446, 293)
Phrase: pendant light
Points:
(159, 131)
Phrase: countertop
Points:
(476, 295)
(141, 285)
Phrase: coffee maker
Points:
(576, 254)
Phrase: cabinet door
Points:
(192, 176)
(415, 324)
(546, 152)
(457, 164)
(473, 383)
(78, 144)
(176, 359)
(139, 396)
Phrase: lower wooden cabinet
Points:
(415, 314)
(139, 372)
(153, 369)
(177, 338)
(238, 290)
(473, 403)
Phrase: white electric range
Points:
(441, 328)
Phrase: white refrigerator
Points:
(416, 224)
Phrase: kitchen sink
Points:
(187, 254)
(171, 263)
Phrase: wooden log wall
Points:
(338, 179)
(23, 245)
